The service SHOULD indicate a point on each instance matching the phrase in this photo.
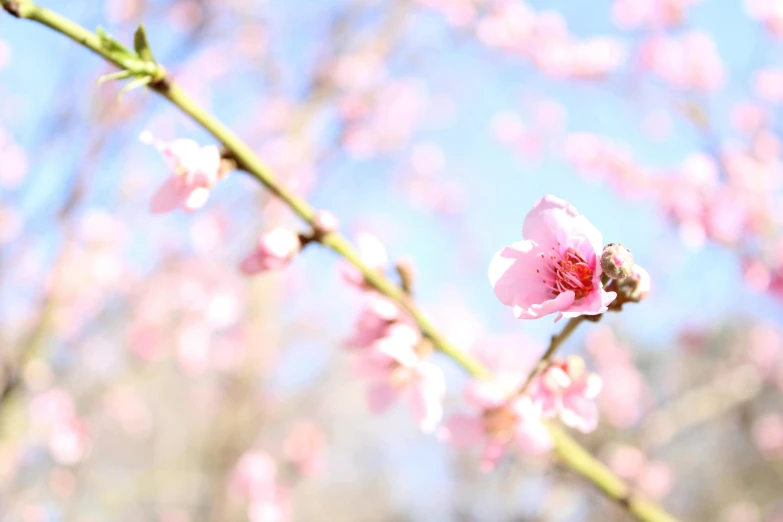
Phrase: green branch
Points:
(139, 65)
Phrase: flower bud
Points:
(636, 286)
(407, 273)
(325, 222)
(275, 250)
(616, 261)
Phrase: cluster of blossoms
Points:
(650, 14)
(688, 61)
(540, 37)
(255, 480)
(543, 38)
(506, 414)
(558, 269)
(262, 481)
(390, 352)
(561, 267)
(55, 414)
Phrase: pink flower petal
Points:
(427, 397)
(579, 412)
(515, 275)
(252, 264)
(380, 396)
(168, 197)
(485, 394)
(493, 451)
(533, 437)
(463, 431)
(196, 199)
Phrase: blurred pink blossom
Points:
(748, 117)
(195, 171)
(567, 390)
(769, 12)
(624, 394)
(254, 477)
(254, 474)
(768, 85)
(68, 441)
(373, 322)
(555, 269)
(304, 446)
(15, 165)
(765, 347)
(275, 250)
(122, 11)
(768, 434)
(654, 478)
(502, 419)
(11, 224)
(686, 61)
(396, 368)
(631, 14)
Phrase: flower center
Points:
(400, 376)
(569, 272)
(499, 422)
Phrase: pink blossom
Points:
(591, 58)
(304, 446)
(68, 441)
(656, 480)
(565, 389)
(765, 347)
(195, 169)
(121, 11)
(624, 392)
(503, 419)
(275, 249)
(768, 85)
(373, 322)
(630, 14)
(748, 117)
(556, 269)
(325, 222)
(395, 367)
(768, 434)
(627, 461)
(254, 475)
(687, 61)
(653, 477)
(14, 167)
(769, 12)
(274, 507)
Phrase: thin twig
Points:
(554, 344)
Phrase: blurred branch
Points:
(701, 405)
(570, 452)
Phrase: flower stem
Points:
(554, 344)
(566, 448)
